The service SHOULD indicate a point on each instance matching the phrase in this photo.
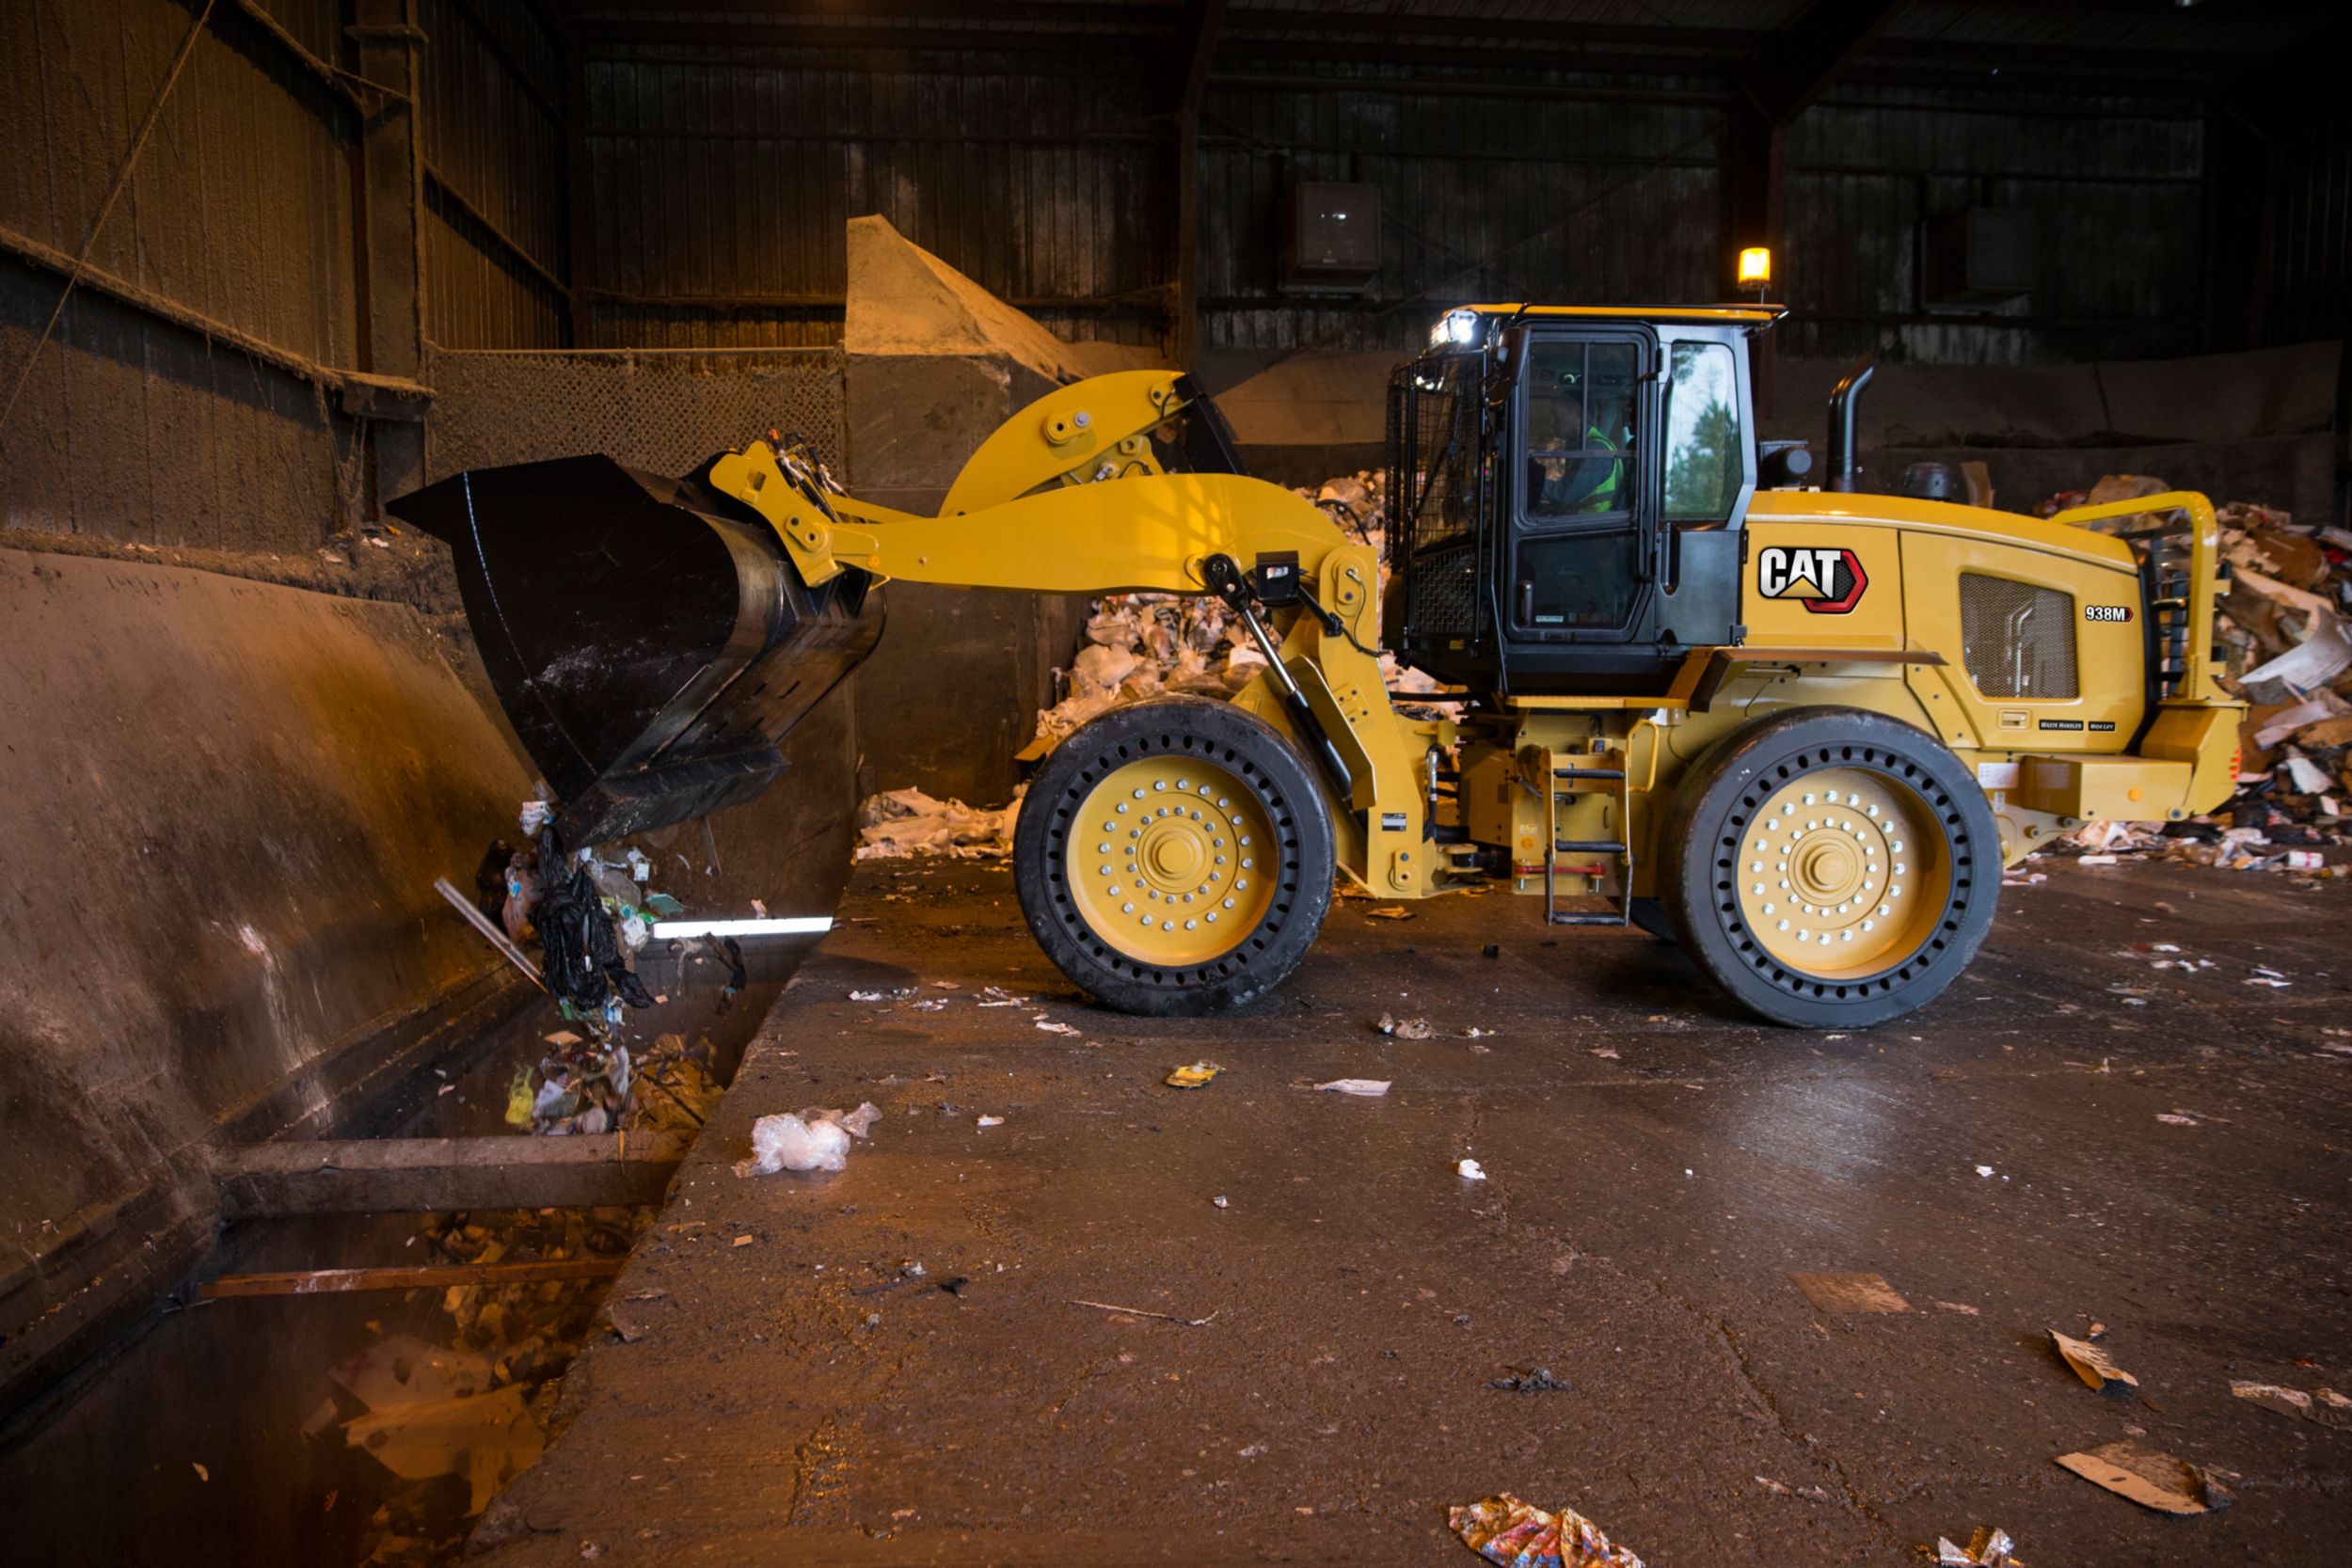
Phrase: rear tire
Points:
(1830, 868)
(1174, 858)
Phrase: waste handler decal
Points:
(1830, 581)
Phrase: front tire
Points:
(1174, 858)
(1830, 868)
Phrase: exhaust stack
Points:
(1845, 462)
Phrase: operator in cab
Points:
(1578, 434)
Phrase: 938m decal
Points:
(1828, 581)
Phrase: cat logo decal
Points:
(1829, 581)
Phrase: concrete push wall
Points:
(225, 803)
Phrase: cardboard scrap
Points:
(1512, 1533)
(2149, 1477)
(1849, 1292)
(2094, 1365)
(2324, 1406)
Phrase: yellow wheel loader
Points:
(1798, 728)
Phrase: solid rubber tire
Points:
(1697, 855)
(1258, 756)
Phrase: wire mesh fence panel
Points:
(663, 411)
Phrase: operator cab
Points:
(1567, 489)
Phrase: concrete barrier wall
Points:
(224, 805)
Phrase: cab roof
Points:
(1730, 315)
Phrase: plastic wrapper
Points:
(813, 1139)
(1514, 1534)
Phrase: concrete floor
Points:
(788, 1394)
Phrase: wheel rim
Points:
(1163, 861)
(1843, 873)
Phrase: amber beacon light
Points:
(1755, 267)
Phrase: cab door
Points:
(1582, 563)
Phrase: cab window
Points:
(1704, 451)
(1580, 430)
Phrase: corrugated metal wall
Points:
(1504, 186)
(724, 182)
(2308, 292)
(241, 208)
(495, 240)
(2114, 188)
(722, 179)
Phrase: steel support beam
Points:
(1196, 47)
(391, 217)
(369, 1176)
(579, 195)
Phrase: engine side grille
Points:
(2017, 639)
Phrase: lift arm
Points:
(1069, 497)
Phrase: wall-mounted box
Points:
(1332, 238)
(1979, 256)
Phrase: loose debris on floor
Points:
(812, 1139)
(2094, 1365)
(1849, 1292)
(1193, 1076)
(1513, 1533)
(2149, 1477)
(2322, 1406)
(1406, 1028)
(1987, 1548)
(2282, 627)
(1535, 1380)
(1368, 1088)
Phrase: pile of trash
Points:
(590, 913)
(1135, 647)
(2285, 626)
(902, 822)
(455, 1417)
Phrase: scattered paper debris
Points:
(2322, 1406)
(2149, 1477)
(1513, 1533)
(1192, 1076)
(1834, 1291)
(1052, 1027)
(1470, 1170)
(1370, 1088)
(2094, 1365)
(1406, 1028)
(1395, 911)
(991, 1121)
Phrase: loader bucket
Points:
(650, 640)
